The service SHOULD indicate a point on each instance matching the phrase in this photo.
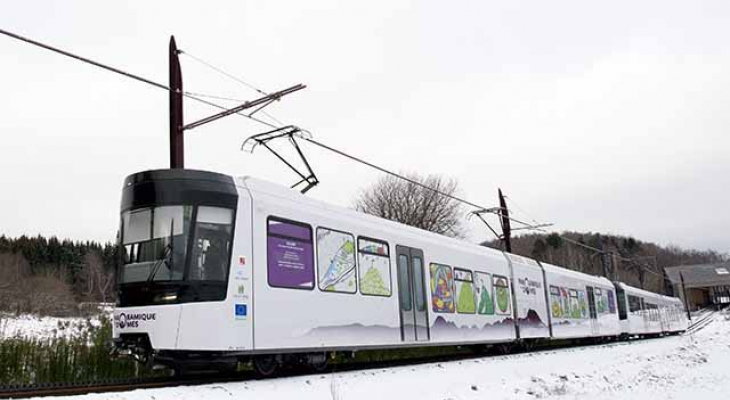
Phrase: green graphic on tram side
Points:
(557, 310)
(502, 295)
(483, 288)
(486, 305)
(465, 301)
(583, 305)
(576, 313)
(372, 283)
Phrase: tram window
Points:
(600, 300)
(483, 291)
(418, 284)
(211, 244)
(336, 261)
(611, 302)
(406, 301)
(621, 298)
(574, 304)
(565, 302)
(556, 305)
(374, 267)
(290, 254)
(464, 290)
(155, 243)
(442, 292)
(634, 304)
(501, 295)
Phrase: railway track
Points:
(123, 385)
(703, 320)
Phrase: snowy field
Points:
(31, 326)
(690, 367)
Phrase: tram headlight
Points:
(166, 297)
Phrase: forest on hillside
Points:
(629, 260)
(48, 276)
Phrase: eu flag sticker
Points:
(241, 311)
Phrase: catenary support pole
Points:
(177, 144)
(506, 230)
(684, 294)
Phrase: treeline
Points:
(49, 276)
(632, 261)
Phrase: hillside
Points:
(644, 267)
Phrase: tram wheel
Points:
(318, 362)
(266, 365)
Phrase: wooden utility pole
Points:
(177, 144)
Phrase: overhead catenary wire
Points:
(221, 71)
(212, 104)
(383, 170)
(124, 73)
(235, 78)
(586, 246)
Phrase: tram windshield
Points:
(156, 242)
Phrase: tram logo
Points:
(133, 320)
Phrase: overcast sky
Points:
(596, 116)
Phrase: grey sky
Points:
(607, 116)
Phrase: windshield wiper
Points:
(166, 253)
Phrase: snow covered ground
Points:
(31, 326)
(691, 367)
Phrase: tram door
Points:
(595, 328)
(412, 295)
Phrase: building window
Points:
(374, 264)
(290, 254)
(442, 283)
(336, 261)
(464, 286)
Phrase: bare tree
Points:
(408, 203)
(14, 273)
(96, 281)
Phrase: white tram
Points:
(218, 269)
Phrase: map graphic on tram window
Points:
(336, 261)
(374, 264)
(442, 282)
(501, 295)
(483, 291)
(376, 277)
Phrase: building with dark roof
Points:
(704, 284)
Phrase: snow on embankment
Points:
(34, 327)
(681, 367)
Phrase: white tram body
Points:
(581, 305)
(220, 267)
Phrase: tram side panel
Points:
(297, 311)
(469, 295)
(581, 305)
(531, 310)
(303, 300)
